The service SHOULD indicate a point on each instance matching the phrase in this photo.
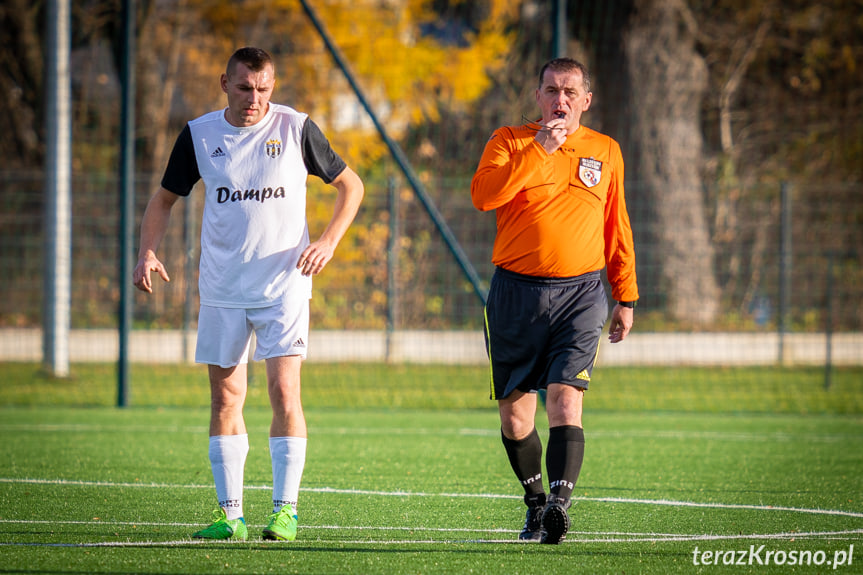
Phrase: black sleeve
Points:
(320, 159)
(182, 173)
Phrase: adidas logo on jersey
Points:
(217, 153)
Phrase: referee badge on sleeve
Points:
(589, 171)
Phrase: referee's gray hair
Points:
(566, 65)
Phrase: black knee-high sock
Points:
(563, 459)
(525, 457)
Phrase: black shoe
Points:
(532, 530)
(555, 521)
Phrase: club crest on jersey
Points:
(589, 171)
(274, 148)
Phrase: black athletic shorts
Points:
(542, 330)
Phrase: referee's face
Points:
(248, 94)
(563, 96)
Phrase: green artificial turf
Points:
(405, 473)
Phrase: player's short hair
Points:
(566, 65)
(256, 59)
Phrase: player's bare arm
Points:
(153, 228)
(319, 253)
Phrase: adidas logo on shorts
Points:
(299, 343)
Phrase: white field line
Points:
(96, 522)
(622, 500)
(598, 537)
(482, 432)
(673, 503)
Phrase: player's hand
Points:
(314, 258)
(621, 323)
(141, 275)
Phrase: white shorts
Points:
(225, 334)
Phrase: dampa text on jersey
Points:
(225, 194)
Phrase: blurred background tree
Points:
(714, 102)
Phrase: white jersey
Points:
(254, 227)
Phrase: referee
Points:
(557, 189)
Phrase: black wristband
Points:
(629, 304)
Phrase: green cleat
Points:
(224, 528)
(282, 526)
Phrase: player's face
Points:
(562, 95)
(248, 94)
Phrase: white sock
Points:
(228, 460)
(288, 455)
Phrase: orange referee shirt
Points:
(558, 215)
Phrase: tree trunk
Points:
(668, 79)
(22, 84)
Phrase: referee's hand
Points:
(552, 135)
(621, 323)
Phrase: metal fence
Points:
(785, 257)
(394, 274)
